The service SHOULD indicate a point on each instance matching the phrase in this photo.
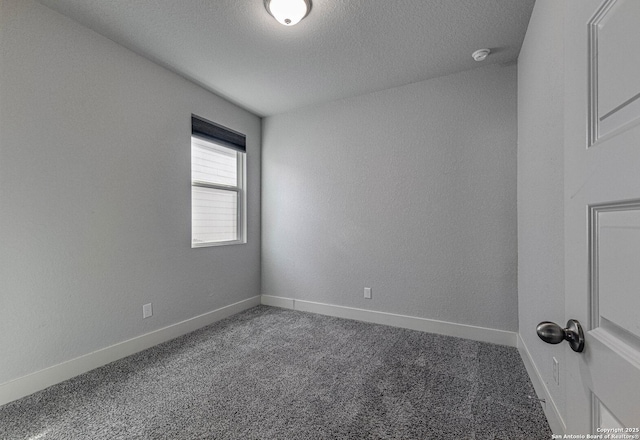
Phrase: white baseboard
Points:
(557, 424)
(409, 322)
(277, 301)
(23, 386)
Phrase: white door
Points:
(602, 212)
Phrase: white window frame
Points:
(241, 236)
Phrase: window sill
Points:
(217, 243)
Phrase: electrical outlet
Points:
(556, 371)
(367, 292)
(147, 311)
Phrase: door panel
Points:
(606, 420)
(615, 257)
(615, 92)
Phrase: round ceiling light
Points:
(288, 12)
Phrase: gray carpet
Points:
(271, 373)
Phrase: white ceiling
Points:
(343, 48)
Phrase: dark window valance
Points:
(217, 133)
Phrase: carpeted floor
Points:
(271, 373)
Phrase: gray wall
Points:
(95, 194)
(540, 187)
(410, 191)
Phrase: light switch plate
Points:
(147, 311)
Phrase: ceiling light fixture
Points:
(288, 12)
(481, 54)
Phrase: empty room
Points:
(319, 219)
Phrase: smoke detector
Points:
(480, 54)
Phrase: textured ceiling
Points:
(343, 48)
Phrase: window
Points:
(217, 185)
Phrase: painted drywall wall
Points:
(95, 194)
(410, 191)
(540, 188)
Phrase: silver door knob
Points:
(552, 333)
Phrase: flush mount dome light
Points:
(288, 12)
